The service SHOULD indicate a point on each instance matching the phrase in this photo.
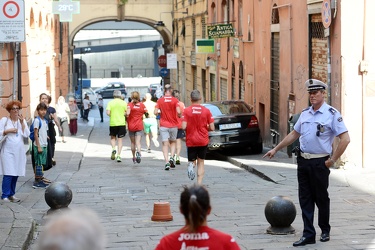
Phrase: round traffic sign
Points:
(326, 13)
(11, 9)
(163, 72)
(162, 61)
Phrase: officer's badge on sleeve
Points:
(339, 119)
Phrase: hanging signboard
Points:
(204, 46)
(66, 8)
(220, 31)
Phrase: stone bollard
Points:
(280, 213)
(58, 195)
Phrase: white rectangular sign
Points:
(12, 21)
(171, 61)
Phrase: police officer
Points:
(316, 129)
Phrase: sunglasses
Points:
(15, 108)
(320, 129)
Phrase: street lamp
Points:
(160, 24)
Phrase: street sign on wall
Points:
(12, 21)
(171, 61)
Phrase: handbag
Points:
(3, 137)
(2, 140)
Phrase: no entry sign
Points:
(162, 61)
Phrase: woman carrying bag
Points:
(12, 153)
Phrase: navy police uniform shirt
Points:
(319, 128)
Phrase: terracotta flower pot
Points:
(162, 212)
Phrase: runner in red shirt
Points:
(180, 131)
(197, 120)
(195, 206)
(134, 115)
(169, 113)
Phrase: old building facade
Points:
(277, 46)
(37, 65)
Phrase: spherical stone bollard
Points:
(58, 195)
(280, 213)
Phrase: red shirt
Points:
(168, 113)
(205, 238)
(135, 118)
(197, 119)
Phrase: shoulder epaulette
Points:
(332, 110)
(305, 109)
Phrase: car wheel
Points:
(257, 148)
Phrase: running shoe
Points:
(190, 171)
(40, 184)
(177, 159)
(134, 160)
(171, 162)
(149, 150)
(167, 166)
(118, 158)
(138, 157)
(113, 155)
(156, 143)
(53, 162)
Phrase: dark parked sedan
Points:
(235, 126)
(107, 91)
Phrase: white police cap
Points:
(313, 84)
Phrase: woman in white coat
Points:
(13, 153)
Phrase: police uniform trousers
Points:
(313, 182)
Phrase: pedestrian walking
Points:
(134, 116)
(180, 131)
(40, 145)
(197, 120)
(169, 112)
(101, 107)
(73, 116)
(150, 124)
(86, 108)
(195, 206)
(62, 112)
(12, 151)
(116, 110)
(316, 128)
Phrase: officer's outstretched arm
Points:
(289, 139)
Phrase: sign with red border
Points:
(12, 21)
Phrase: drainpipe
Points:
(16, 88)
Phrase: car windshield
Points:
(227, 108)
